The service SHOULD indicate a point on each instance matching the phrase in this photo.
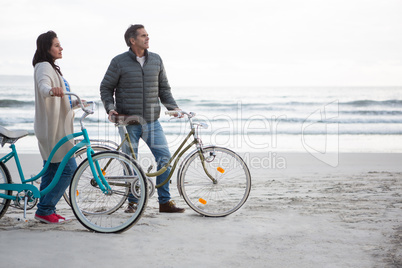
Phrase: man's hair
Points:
(132, 33)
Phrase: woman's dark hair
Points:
(132, 33)
(43, 45)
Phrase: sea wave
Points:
(365, 103)
(15, 103)
(288, 105)
(224, 120)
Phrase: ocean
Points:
(246, 119)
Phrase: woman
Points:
(53, 121)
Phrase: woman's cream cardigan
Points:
(53, 115)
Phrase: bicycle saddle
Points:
(11, 136)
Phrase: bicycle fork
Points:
(98, 173)
(200, 152)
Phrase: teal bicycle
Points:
(99, 187)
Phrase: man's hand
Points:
(111, 112)
(180, 114)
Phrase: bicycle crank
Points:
(135, 188)
(25, 200)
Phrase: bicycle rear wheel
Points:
(227, 194)
(99, 211)
(4, 178)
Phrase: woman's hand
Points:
(57, 92)
(76, 104)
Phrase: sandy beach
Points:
(301, 213)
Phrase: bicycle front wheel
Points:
(5, 178)
(101, 211)
(80, 156)
(219, 197)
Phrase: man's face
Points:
(142, 40)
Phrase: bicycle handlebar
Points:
(81, 104)
(180, 113)
(190, 115)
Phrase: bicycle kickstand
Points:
(25, 207)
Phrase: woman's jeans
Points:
(47, 203)
(152, 134)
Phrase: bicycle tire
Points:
(120, 192)
(101, 212)
(80, 156)
(4, 178)
(219, 199)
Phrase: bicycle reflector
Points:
(221, 170)
(202, 201)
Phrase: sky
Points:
(213, 43)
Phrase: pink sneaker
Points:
(61, 217)
(52, 219)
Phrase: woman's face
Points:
(56, 49)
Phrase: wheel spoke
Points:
(102, 211)
(225, 196)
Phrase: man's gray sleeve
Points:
(165, 94)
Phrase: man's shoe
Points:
(170, 207)
(51, 219)
(132, 207)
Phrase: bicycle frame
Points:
(177, 154)
(24, 186)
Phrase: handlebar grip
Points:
(172, 113)
(180, 113)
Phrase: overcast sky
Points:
(217, 42)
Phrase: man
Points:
(133, 85)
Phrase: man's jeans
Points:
(152, 134)
(47, 203)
